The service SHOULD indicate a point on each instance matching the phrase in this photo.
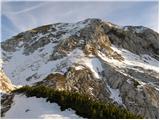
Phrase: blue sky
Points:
(23, 15)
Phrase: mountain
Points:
(105, 61)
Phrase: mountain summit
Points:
(102, 60)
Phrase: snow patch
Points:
(79, 67)
(95, 66)
(1, 62)
(131, 59)
(129, 81)
(91, 91)
(136, 29)
(93, 63)
(69, 28)
(33, 107)
(20, 66)
(115, 95)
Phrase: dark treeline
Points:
(82, 104)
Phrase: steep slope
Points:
(103, 60)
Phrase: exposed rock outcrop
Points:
(6, 103)
(5, 84)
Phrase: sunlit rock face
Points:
(5, 84)
(94, 57)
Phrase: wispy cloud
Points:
(25, 10)
(27, 15)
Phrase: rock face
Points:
(93, 57)
(81, 81)
(5, 88)
(5, 84)
(134, 95)
(139, 40)
(6, 102)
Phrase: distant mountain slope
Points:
(103, 60)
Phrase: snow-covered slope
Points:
(31, 65)
(37, 108)
(131, 59)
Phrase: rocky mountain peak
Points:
(103, 60)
